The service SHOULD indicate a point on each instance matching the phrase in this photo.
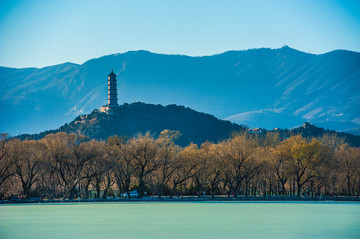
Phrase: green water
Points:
(181, 220)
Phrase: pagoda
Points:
(112, 101)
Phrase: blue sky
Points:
(40, 33)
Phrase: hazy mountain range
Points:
(265, 88)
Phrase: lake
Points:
(181, 220)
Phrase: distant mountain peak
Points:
(285, 47)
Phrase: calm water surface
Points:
(181, 220)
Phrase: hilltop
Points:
(131, 119)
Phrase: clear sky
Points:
(35, 33)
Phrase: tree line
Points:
(68, 165)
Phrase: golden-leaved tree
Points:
(349, 165)
(303, 158)
(238, 154)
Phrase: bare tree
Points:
(143, 153)
(349, 161)
(216, 165)
(70, 154)
(28, 156)
(280, 163)
(187, 167)
(6, 162)
(200, 175)
(167, 159)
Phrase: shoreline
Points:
(190, 199)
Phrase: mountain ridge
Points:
(284, 83)
(169, 54)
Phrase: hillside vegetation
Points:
(195, 127)
(131, 119)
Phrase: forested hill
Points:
(309, 131)
(130, 119)
(196, 127)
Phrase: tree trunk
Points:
(283, 190)
(141, 188)
(293, 193)
(173, 190)
(98, 191)
(86, 191)
(298, 188)
(213, 190)
(105, 192)
(236, 190)
(159, 193)
(246, 188)
(198, 186)
(27, 192)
